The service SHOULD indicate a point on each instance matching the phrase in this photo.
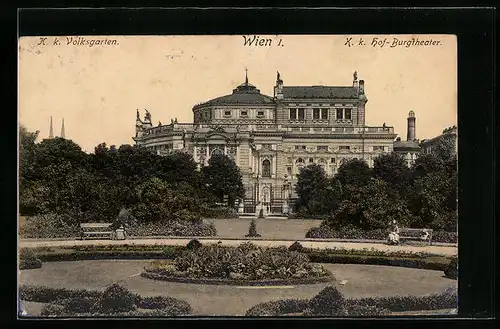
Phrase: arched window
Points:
(266, 168)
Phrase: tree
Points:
(178, 167)
(310, 181)
(391, 168)
(58, 152)
(371, 206)
(426, 164)
(223, 178)
(159, 202)
(27, 149)
(354, 172)
(445, 147)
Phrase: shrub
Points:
(174, 306)
(364, 310)
(173, 228)
(79, 304)
(451, 271)
(296, 246)
(28, 259)
(41, 294)
(49, 226)
(193, 244)
(252, 230)
(277, 308)
(325, 232)
(117, 298)
(328, 302)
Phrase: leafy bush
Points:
(296, 246)
(328, 302)
(279, 307)
(41, 294)
(117, 298)
(173, 229)
(175, 306)
(114, 301)
(325, 232)
(243, 263)
(49, 226)
(451, 271)
(193, 244)
(252, 230)
(363, 310)
(218, 212)
(28, 259)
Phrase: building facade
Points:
(271, 138)
(449, 135)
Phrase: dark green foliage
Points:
(277, 308)
(243, 263)
(222, 178)
(28, 259)
(193, 244)
(114, 301)
(328, 302)
(252, 230)
(117, 298)
(354, 172)
(296, 246)
(325, 232)
(451, 270)
(175, 306)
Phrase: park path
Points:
(433, 249)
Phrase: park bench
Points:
(420, 234)
(97, 230)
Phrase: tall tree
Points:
(177, 167)
(223, 178)
(354, 172)
(27, 149)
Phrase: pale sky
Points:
(98, 89)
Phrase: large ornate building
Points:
(271, 138)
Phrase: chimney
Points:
(51, 131)
(362, 87)
(63, 134)
(410, 136)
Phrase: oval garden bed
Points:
(244, 265)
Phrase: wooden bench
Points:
(420, 234)
(97, 230)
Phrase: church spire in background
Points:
(51, 131)
(63, 134)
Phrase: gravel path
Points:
(358, 281)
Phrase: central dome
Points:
(245, 93)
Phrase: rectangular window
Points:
(302, 114)
(293, 114)
(300, 147)
(244, 113)
(340, 114)
(322, 148)
(348, 114)
(332, 160)
(316, 113)
(227, 113)
(260, 113)
(324, 114)
(378, 148)
(345, 147)
(289, 171)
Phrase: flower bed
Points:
(330, 302)
(324, 232)
(114, 301)
(245, 264)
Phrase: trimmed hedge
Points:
(296, 246)
(330, 302)
(324, 232)
(451, 271)
(193, 245)
(116, 300)
(28, 259)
